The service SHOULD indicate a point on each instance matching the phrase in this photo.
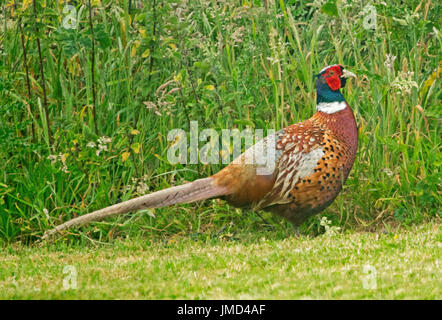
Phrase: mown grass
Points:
(399, 265)
(228, 64)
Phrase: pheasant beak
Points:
(347, 74)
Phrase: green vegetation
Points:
(256, 266)
(94, 130)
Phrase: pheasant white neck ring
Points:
(331, 107)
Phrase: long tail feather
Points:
(197, 190)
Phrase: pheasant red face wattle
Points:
(333, 77)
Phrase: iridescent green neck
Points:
(325, 94)
(331, 96)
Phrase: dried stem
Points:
(42, 75)
(28, 83)
(94, 97)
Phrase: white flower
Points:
(64, 168)
(104, 140)
(102, 144)
(403, 83)
(317, 3)
(142, 187)
(101, 147)
(273, 60)
(329, 230)
(91, 145)
(389, 61)
(237, 35)
(53, 158)
(139, 184)
(60, 157)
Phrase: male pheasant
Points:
(312, 160)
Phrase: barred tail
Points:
(197, 190)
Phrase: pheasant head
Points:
(328, 84)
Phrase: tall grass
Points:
(136, 70)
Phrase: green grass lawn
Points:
(400, 265)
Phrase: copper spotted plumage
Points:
(311, 162)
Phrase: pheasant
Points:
(311, 162)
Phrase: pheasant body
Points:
(311, 162)
(334, 139)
